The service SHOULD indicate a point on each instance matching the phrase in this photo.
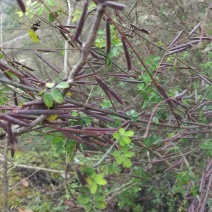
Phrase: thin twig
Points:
(5, 178)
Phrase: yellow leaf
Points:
(69, 93)
(88, 180)
(52, 117)
(33, 35)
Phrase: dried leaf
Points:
(47, 63)
(81, 22)
(186, 45)
(15, 98)
(21, 5)
(81, 177)
(108, 37)
(176, 38)
(40, 112)
(69, 203)
(79, 140)
(14, 120)
(23, 210)
(114, 5)
(140, 29)
(25, 183)
(100, 117)
(108, 90)
(195, 28)
(176, 51)
(127, 55)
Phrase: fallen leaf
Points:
(68, 203)
(25, 183)
(23, 210)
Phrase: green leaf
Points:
(47, 98)
(129, 133)
(93, 188)
(127, 140)
(88, 206)
(155, 120)
(100, 180)
(83, 199)
(75, 113)
(89, 181)
(88, 171)
(101, 205)
(127, 163)
(40, 9)
(116, 153)
(52, 16)
(128, 154)
(98, 197)
(33, 35)
(1, 56)
(116, 135)
(62, 85)
(56, 95)
(122, 142)
(122, 131)
(20, 14)
(119, 160)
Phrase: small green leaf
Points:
(122, 131)
(47, 98)
(56, 95)
(75, 113)
(116, 153)
(116, 135)
(93, 188)
(155, 120)
(98, 197)
(33, 35)
(40, 10)
(1, 56)
(89, 181)
(62, 85)
(101, 205)
(88, 206)
(127, 163)
(52, 16)
(122, 142)
(83, 199)
(128, 154)
(100, 180)
(88, 170)
(129, 133)
(119, 160)
(20, 14)
(127, 140)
